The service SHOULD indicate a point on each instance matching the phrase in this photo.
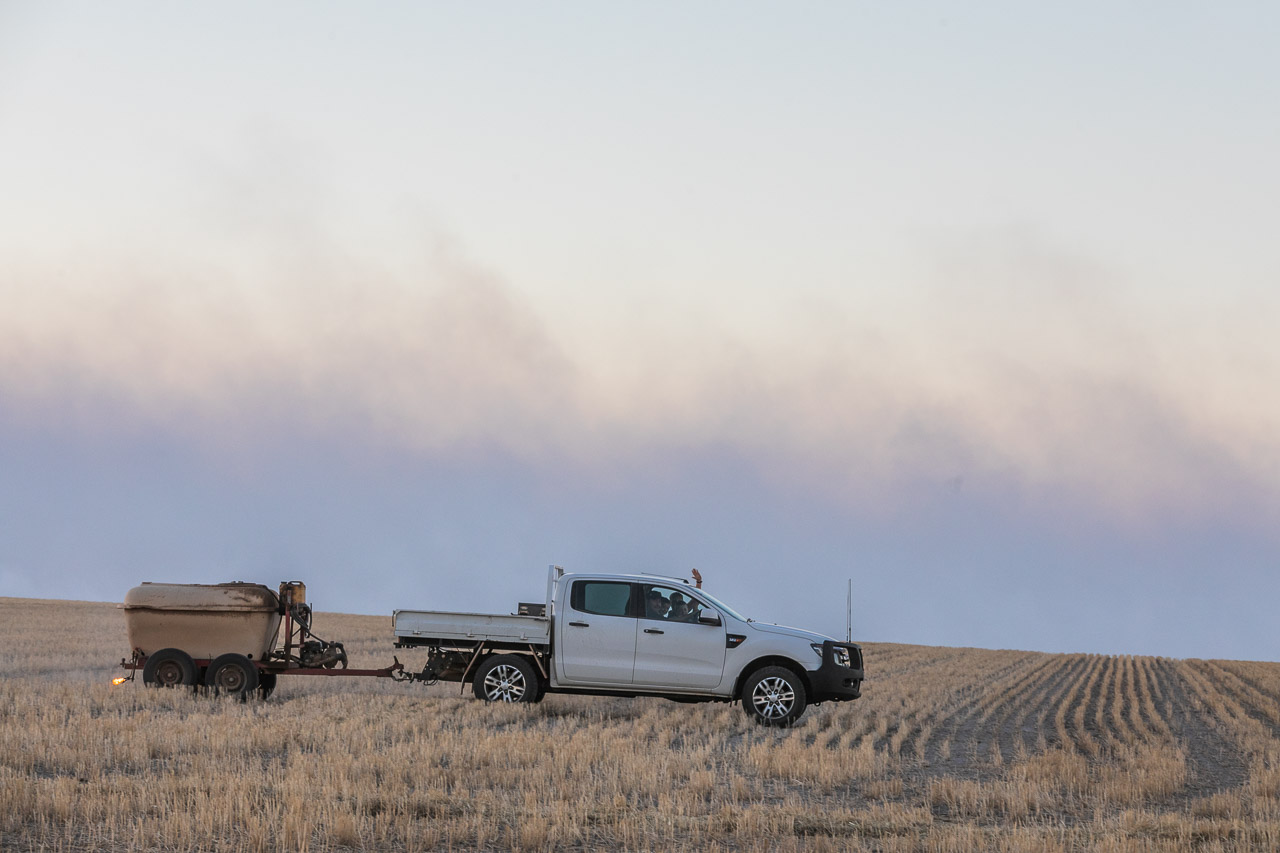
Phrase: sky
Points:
(972, 306)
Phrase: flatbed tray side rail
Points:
(428, 627)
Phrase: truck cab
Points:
(654, 635)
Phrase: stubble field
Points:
(949, 749)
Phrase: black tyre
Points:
(506, 678)
(169, 668)
(231, 673)
(774, 696)
(266, 683)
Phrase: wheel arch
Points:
(772, 660)
(493, 653)
(531, 686)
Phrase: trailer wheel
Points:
(506, 678)
(169, 668)
(231, 673)
(266, 684)
(774, 696)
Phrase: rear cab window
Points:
(604, 598)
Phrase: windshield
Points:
(720, 604)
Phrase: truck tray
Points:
(413, 627)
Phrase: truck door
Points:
(597, 634)
(673, 649)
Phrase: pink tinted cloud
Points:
(1016, 369)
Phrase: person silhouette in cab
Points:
(655, 606)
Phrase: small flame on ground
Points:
(119, 680)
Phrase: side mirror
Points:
(709, 619)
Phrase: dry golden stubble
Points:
(950, 749)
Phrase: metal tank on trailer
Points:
(205, 620)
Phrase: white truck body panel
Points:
(595, 650)
(679, 655)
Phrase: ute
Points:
(634, 635)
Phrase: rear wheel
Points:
(774, 696)
(231, 673)
(506, 678)
(169, 668)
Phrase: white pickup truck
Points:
(634, 635)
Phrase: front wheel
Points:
(507, 678)
(774, 696)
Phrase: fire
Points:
(121, 680)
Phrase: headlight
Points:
(839, 654)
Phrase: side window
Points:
(673, 605)
(605, 598)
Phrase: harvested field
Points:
(949, 749)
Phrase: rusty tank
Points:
(205, 620)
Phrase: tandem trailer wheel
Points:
(169, 668)
(232, 673)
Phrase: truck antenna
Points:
(848, 622)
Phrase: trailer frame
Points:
(139, 661)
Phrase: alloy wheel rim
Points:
(773, 697)
(504, 683)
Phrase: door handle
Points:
(580, 624)
(653, 631)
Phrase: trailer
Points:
(233, 638)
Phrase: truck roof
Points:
(642, 577)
